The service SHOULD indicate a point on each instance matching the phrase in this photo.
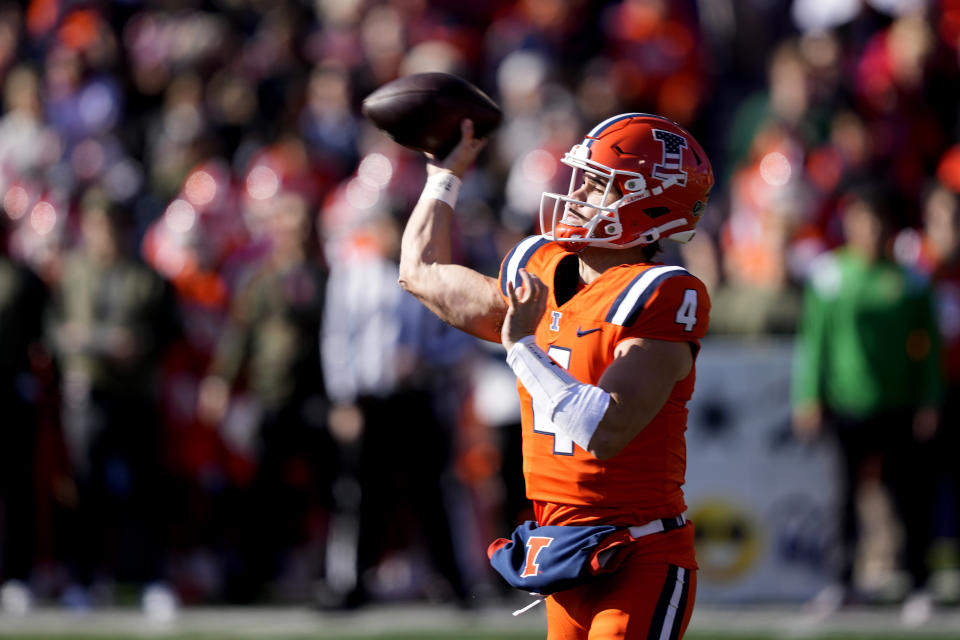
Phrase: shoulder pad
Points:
(518, 259)
(634, 297)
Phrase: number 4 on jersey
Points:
(562, 445)
(687, 313)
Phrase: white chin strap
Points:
(683, 237)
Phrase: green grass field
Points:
(425, 622)
(460, 635)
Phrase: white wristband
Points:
(574, 408)
(444, 187)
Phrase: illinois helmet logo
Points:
(670, 166)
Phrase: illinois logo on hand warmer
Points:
(535, 544)
(545, 560)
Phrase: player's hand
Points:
(527, 304)
(463, 155)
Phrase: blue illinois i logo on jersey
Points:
(555, 320)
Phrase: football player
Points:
(603, 340)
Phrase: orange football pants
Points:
(639, 601)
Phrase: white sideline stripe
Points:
(518, 255)
(670, 619)
(626, 306)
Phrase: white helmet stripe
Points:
(597, 130)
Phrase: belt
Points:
(658, 526)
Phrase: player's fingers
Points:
(537, 285)
(468, 134)
(466, 146)
(468, 143)
(465, 151)
(540, 295)
(535, 289)
(527, 284)
(512, 294)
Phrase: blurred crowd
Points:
(213, 389)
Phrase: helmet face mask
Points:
(657, 179)
(606, 202)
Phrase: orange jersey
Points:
(644, 481)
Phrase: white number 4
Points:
(687, 313)
(562, 445)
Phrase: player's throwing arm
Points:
(462, 297)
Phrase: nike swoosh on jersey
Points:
(581, 333)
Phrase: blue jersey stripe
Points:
(634, 297)
(642, 300)
(619, 301)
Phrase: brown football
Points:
(423, 111)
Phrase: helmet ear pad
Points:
(634, 224)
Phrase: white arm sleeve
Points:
(574, 408)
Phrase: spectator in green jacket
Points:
(867, 369)
(112, 318)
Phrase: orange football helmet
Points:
(662, 174)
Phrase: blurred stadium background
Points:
(214, 395)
